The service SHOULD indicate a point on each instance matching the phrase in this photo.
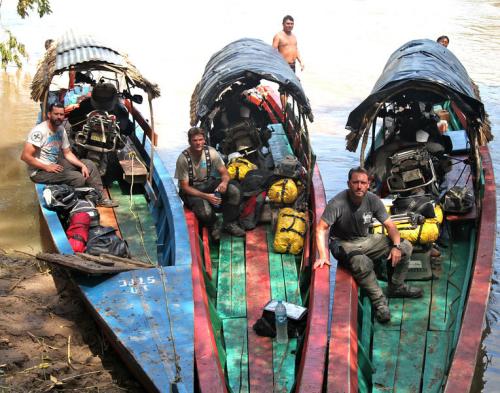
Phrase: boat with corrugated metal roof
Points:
(143, 303)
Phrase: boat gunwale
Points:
(313, 355)
(206, 355)
(464, 361)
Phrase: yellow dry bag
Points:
(290, 231)
(283, 191)
(239, 167)
(425, 233)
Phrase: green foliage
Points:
(11, 50)
(25, 6)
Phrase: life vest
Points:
(239, 167)
(283, 191)
(290, 231)
(190, 164)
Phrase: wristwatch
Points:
(398, 246)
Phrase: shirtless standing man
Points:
(286, 43)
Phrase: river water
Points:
(344, 48)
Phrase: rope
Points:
(140, 230)
(178, 377)
(278, 375)
(138, 223)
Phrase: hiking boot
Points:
(234, 229)
(106, 202)
(382, 313)
(216, 230)
(404, 290)
(435, 252)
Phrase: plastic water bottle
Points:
(281, 323)
(218, 195)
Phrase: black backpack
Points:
(104, 240)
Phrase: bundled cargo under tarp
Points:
(427, 68)
(244, 59)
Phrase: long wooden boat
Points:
(234, 278)
(146, 313)
(431, 344)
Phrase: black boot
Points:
(404, 290)
(382, 313)
(234, 229)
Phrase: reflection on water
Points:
(19, 228)
(344, 48)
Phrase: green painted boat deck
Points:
(231, 308)
(229, 274)
(136, 223)
(411, 353)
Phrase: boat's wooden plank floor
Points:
(231, 278)
(258, 293)
(435, 361)
(235, 330)
(249, 275)
(107, 216)
(410, 352)
(136, 224)
(385, 360)
(285, 274)
(412, 341)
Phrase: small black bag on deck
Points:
(104, 240)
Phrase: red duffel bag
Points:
(78, 231)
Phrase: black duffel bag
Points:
(104, 240)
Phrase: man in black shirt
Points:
(347, 217)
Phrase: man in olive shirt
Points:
(349, 214)
(201, 191)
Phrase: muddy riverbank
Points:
(47, 340)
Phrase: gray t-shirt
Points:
(199, 167)
(50, 143)
(348, 221)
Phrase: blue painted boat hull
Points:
(147, 314)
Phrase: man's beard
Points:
(55, 123)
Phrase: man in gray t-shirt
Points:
(50, 160)
(347, 218)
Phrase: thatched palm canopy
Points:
(80, 53)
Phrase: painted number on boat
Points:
(135, 283)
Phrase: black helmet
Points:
(59, 196)
(104, 96)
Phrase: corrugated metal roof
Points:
(74, 49)
(85, 52)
